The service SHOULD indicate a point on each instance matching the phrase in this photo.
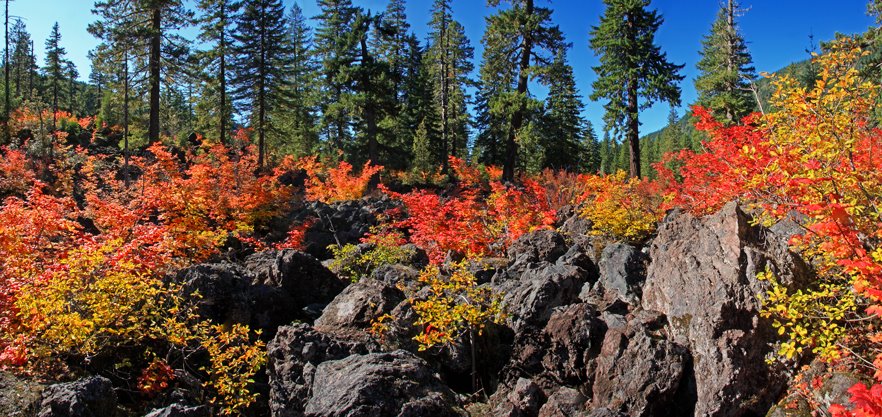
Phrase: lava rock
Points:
(88, 397)
(703, 278)
(292, 357)
(300, 275)
(178, 410)
(353, 310)
(380, 384)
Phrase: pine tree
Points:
(607, 154)
(398, 50)
(536, 40)
(54, 69)
(562, 122)
(591, 157)
(724, 83)
(21, 62)
(296, 119)
(263, 63)
(72, 74)
(336, 50)
(423, 160)
(631, 67)
(141, 35)
(216, 23)
(448, 59)
(418, 106)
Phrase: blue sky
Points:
(777, 32)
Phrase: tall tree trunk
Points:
(155, 45)
(444, 98)
(223, 74)
(517, 119)
(261, 98)
(633, 129)
(31, 71)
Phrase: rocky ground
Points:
(595, 329)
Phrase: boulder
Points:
(178, 410)
(380, 384)
(299, 275)
(574, 336)
(538, 246)
(340, 223)
(703, 278)
(524, 400)
(532, 296)
(622, 271)
(292, 357)
(88, 397)
(223, 291)
(640, 372)
(565, 402)
(353, 310)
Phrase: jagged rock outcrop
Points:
(292, 358)
(340, 223)
(270, 289)
(353, 310)
(88, 397)
(622, 271)
(642, 373)
(703, 278)
(380, 384)
(177, 410)
(531, 297)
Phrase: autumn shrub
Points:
(620, 207)
(456, 307)
(380, 247)
(86, 280)
(815, 160)
(329, 184)
(479, 217)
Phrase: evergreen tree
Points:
(562, 123)
(141, 35)
(423, 160)
(449, 62)
(72, 74)
(536, 40)
(390, 43)
(418, 106)
(631, 67)
(724, 83)
(21, 62)
(591, 155)
(54, 68)
(336, 50)
(263, 63)
(672, 138)
(607, 154)
(216, 23)
(373, 96)
(296, 119)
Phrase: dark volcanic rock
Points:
(565, 402)
(703, 278)
(574, 336)
(302, 276)
(223, 291)
(524, 400)
(377, 385)
(640, 372)
(89, 397)
(177, 410)
(292, 357)
(340, 223)
(353, 310)
(538, 246)
(622, 273)
(531, 297)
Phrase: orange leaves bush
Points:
(330, 184)
(480, 217)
